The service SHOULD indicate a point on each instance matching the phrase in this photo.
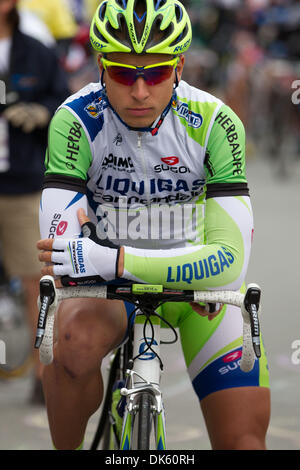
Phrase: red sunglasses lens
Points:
(158, 74)
(122, 75)
(153, 76)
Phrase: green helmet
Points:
(139, 26)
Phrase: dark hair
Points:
(13, 18)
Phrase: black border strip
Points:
(65, 182)
(227, 189)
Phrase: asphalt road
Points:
(275, 266)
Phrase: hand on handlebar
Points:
(80, 259)
(206, 311)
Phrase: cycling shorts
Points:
(213, 349)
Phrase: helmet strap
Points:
(102, 78)
(176, 83)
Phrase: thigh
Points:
(213, 350)
(235, 404)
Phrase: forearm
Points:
(58, 213)
(221, 263)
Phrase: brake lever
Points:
(47, 296)
(251, 302)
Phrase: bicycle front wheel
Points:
(143, 429)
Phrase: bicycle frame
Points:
(144, 376)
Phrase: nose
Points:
(140, 89)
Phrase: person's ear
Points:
(180, 66)
(100, 65)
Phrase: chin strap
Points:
(154, 131)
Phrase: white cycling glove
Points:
(81, 259)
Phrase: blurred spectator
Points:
(35, 86)
(32, 25)
(235, 45)
(57, 16)
(83, 10)
(279, 28)
(80, 59)
(68, 21)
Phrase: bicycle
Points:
(138, 363)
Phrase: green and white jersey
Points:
(178, 200)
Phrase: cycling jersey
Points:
(177, 200)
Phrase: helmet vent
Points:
(156, 35)
(178, 12)
(180, 37)
(102, 11)
(167, 32)
(99, 35)
(140, 11)
(121, 34)
(159, 4)
(121, 3)
(140, 8)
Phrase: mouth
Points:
(139, 111)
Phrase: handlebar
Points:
(154, 295)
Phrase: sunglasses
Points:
(128, 74)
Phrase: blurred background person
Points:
(83, 10)
(35, 86)
(247, 52)
(31, 24)
(80, 60)
(68, 21)
(57, 16)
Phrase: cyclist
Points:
(143, 140)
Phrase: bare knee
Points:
(77, 352)
(82, 342)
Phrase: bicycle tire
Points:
(105, 441)
(143, 422)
